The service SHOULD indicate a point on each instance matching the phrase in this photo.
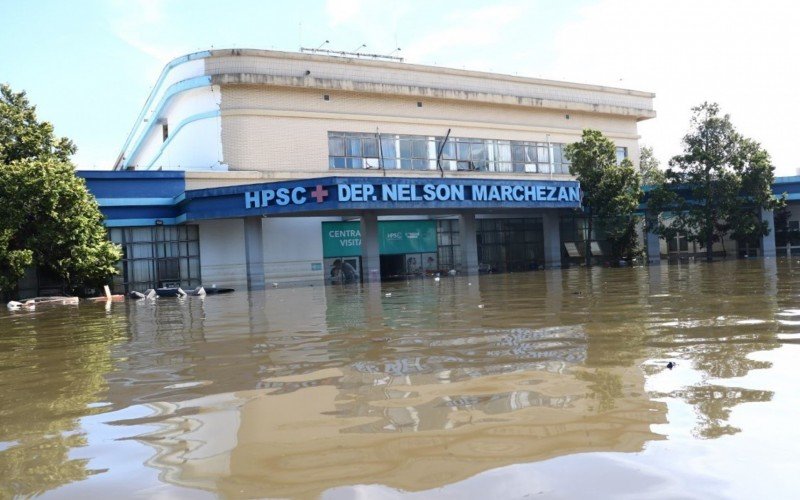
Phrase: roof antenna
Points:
(362, 46)
(323, 44)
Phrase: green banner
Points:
(407, 236)
(343, 239)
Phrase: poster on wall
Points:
(407, 236)
(343, 239)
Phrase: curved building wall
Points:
(253, 109)
(186, 135)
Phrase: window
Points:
(560, 162)
(622, 153)
(353, 151)
(531, 156)
(156, 256)
(508, 245)
(164, 132)
(449, 244)
(410, 152)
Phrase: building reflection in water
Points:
(409, 385)
(416, 385)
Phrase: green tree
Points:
(47, 216)
(23, 136)
(611, 192)
(718, 186)
(649, 167)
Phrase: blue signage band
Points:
(337, 194)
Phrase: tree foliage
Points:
(649, 167)
(47, 216)
(23, 136)
(611, 191)
(717, 187)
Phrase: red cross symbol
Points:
(319, 193)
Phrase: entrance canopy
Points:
(149, 198)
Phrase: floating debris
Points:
(31, 304)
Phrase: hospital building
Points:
(251, 167)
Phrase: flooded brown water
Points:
(546, 384)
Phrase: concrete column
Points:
(653, 242)
(469, 243)
(254, 253)
(552, 239)
(768, 241)
(370, 248)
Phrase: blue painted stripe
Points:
(142, 222)
(173, 134)
(164, 72)
(172, 91)
(128, 202)
(140, 184)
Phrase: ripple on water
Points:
(329, 387)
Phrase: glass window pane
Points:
(405, 149)
(370, 148)
(518, 153)
(530, 154)
(622, 153)
(353, 146)
(388, 148)
(503, 152)
(463, 150)
(543, 154)
(449, 151)
(336, 146)
(420, 148)
(478, 151)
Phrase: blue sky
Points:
(89, 65)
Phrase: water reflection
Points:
(413, 385)
(47, 382)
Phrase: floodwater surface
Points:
(550, 384)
